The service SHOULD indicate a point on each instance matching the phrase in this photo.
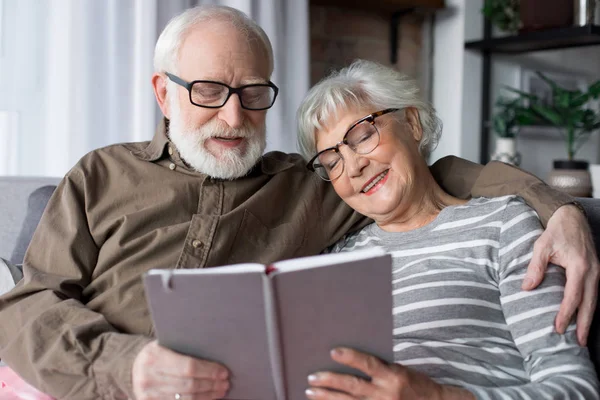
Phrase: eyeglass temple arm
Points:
(178, 80)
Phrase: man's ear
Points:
(159, 84)
(414, 121)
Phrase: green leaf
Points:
(500, 126)
(579, 100)
(574, 118)
(525, 116)
(561, 98)
(548, 114)
(594, 90)
(550, 82)
(503, 13)
(526, 95)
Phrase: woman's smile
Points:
(375, 183)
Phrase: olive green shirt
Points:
(73, 326)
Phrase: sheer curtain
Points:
(97, 77)
(92, 61)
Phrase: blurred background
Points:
(75, 74)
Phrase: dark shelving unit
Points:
(543, 40)
(551, 39)
(383, 5)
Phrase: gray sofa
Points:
(22, 201)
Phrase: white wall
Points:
(457, 79)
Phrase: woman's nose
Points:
(355, 163)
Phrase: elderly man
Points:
(201, 194)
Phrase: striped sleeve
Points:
(556, 365)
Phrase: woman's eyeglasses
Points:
(362, 138)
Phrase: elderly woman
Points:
(463, 327)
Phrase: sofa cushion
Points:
(9, 275)
(36, 205)
(14, 194)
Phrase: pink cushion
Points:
(12, 387)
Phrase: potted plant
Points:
(504, 14)
(511, 114)
(569, 111)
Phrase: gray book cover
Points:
(273, 330)
(219, 316)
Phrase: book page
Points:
(216, 316)
(325, 260)
(227, 269)
(348, 303)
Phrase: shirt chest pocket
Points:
(257, 242)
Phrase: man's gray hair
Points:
(168, 45)
(363, 84)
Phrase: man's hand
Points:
(392, 382)
(567, 241)
(159, 373)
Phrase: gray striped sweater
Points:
(460, 315)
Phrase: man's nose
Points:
(232, 112)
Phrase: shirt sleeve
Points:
(52, 339)
(464, 179)
(336, 217)
(557, 367)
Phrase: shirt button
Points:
(170, 151)
(196, 244)
(171, 166)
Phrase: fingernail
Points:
(527, 282)
(312, 378)
(223, 374)
(337, 352)
(310, 393)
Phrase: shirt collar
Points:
(156, 149)
(271, 163)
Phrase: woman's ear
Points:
(413, 120)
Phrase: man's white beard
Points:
(231, 163)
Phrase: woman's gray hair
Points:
(168, 45)
(363, 84)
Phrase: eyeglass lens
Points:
(215, 95)
(362, 139)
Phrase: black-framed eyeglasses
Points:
(211, 94)
(362, 138)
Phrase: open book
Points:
(272, 326)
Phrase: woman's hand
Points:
(567, 241)
(387, 381)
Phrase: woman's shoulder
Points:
(496, 210)
(491, 204)
(497, 202)
(513, 215)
